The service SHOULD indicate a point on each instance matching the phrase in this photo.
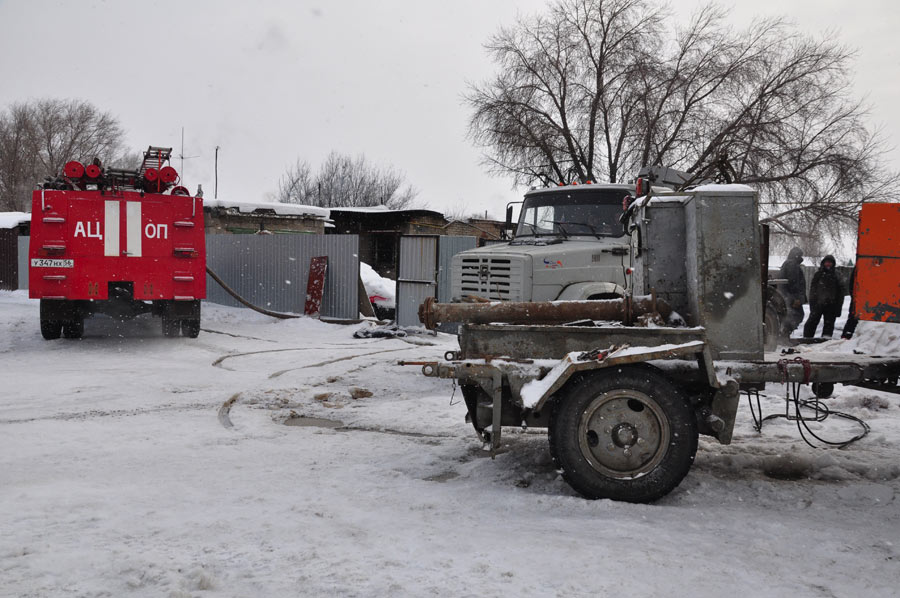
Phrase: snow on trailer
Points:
(626, 401)
(120, 242)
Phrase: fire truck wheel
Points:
(190, 328)
(170, 326)
(51, 329)
(73, 328)
(625, 433)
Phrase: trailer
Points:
(626, 386)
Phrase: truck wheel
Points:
(626, 434)
(190, 328)
(170, 326)
(51, 329)
(73, 328)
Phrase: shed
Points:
(245, 217)
(380, 229)
(13, 225)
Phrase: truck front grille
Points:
(495, 278)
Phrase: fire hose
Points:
(243, 301)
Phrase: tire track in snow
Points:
(218, 362)
(330, 361)
(98, 413)
(225, 420)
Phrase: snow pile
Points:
(285, 209)
(533, 390)
(365, 209)
(717, 188)
(376, 285)
(13, 219)
(870, 338)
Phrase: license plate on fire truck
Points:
(40, 262)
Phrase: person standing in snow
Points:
(826, 297)
(794, 291)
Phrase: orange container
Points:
(876, 292)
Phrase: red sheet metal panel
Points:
(315, 285)
(876, 291)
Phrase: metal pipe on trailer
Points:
(624, 310)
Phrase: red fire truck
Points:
(118, 242)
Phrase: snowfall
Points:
(287, 458)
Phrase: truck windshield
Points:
(592, 213)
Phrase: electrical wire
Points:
(821, 413)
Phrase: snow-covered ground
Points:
(118, 477)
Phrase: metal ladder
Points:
(154, 157)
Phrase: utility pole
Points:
(216, 190)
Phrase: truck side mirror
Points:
(509, 216)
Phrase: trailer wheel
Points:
(190, 328)
(626, 434)
(51, 329)
(73, 328)
(170, 326)
(823, 390)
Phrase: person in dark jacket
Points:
(826, 298)
(794, 290)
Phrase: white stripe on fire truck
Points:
(133, 227)
(111, 228)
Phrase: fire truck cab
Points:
(117, 242)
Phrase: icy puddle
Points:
(313, 422)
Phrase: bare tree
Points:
(344, 181)
(594, 89)
(37, 138)
(462, 212)
(296, 185)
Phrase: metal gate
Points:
(424, 271)
(448, 246)
(416, 276)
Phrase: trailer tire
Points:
(51, 329)
(823, 390)
(73, 328)
(625, 433)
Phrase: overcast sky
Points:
(273, 81)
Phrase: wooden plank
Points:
(365, 306)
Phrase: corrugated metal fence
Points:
(9, 261)
(23, 262)
(272, 270)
